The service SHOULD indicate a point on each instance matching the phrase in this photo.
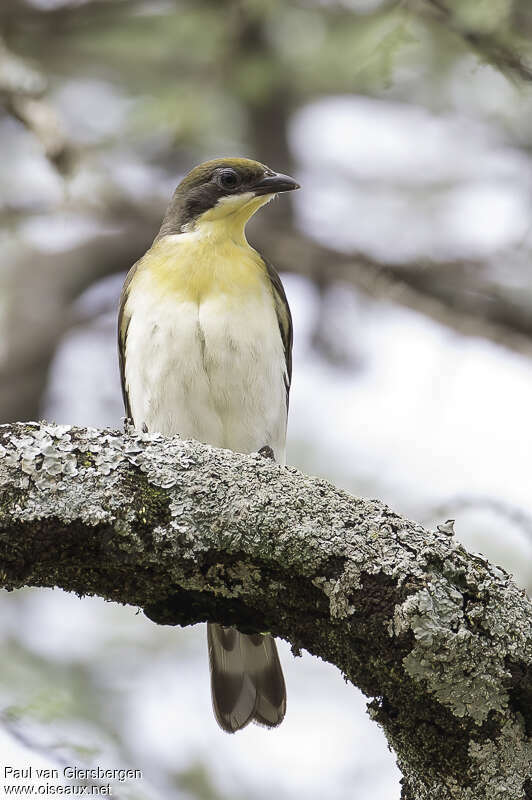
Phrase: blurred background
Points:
(406, 258)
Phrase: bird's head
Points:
(230, 189)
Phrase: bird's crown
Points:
(246, 169)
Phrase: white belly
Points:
(211, 370)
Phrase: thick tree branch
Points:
(438, 637)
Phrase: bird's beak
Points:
(271, 184)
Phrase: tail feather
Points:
(262, 660)
(246, 678)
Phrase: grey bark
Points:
(438, 638)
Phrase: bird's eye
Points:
(228, 179)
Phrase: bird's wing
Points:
(123, 324)
(284, 319)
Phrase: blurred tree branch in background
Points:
(438, 637)
(457, 294)
(460, 503)
(22, 94)
(481, 29)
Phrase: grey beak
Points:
(271, 184)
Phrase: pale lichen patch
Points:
(503, 763)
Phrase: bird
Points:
(205, 351)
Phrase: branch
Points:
(455, 293)
(22, 90)
(439, 638)
(490, 45)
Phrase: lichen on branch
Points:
(438, 638)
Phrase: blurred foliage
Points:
(196, 781)
(198, 70)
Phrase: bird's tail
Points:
(246, 678)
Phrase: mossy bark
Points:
(438, 638)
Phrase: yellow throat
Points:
(212, 256)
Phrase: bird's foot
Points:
(128, 425)
(267, 452)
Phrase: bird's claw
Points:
(267, 452)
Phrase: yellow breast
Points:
(192, 267)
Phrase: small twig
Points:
(487, 44)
